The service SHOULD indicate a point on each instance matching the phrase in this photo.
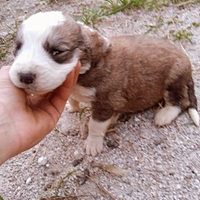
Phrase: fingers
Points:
(76, 72)
(62, 93)
(8, 90)
(5, 67)
(72, 76)
(4, 72)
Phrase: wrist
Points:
(7, 147)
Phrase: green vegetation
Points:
(4, 47)
(196, 24)
(159, 23)
(5, 44)
(182, 35)
(177, 35)
(56, 130)
(90, 16)
(110, 7)
(7, 40)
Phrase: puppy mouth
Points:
(33, 89)
(34, 92)
(32, 83)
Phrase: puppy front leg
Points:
(94, 141)
(74, 105)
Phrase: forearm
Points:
(7, 144)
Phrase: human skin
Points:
(24, 119)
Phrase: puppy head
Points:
(48, 47)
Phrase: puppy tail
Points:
(193, 103)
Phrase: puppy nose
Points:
(27, 78)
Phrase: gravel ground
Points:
(157, 163)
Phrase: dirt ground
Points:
(157, 163)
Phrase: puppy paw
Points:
(93, 145)
(166, 115)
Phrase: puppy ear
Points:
(97, 43)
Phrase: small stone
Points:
(28, 180)
(86, 173)
(77, 162)
(3, 34)
(47, 165)
(48, 186)
(194, 40)
(76, 153)
(81, 180)
(178, 186)
(124, 118)
(42, 161)
(112, 143)
(137, 119)
(159, 167)
(158, 140)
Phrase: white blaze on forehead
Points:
(33, 58)
(41, 21)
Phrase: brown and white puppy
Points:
(118, 74)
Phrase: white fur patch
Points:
(83, 94)
(194, 115)
(166, 115)
(41, 22)
(94, 141)
(80, 94)
(32, 58)
(73, 105)
(84, 68)
(48, 77)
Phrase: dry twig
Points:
(110, 130)
(110, 168)
(34, 155)
(185, 3)
(102, 189)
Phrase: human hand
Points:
(24, 119)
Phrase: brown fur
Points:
(135, 73)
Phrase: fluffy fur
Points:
(119, 74)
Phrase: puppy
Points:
(118, 74)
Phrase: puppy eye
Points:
(56, 52)
(17, 47)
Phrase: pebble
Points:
(77, 162)
(3, 34)
(178, 186)
(28, 180)
(76, 153)
(194, 40)
(112, 143)
(47, 165)
(42, 160)
(158, 140)
(86, 172)
(137, 119)
(81, 180)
